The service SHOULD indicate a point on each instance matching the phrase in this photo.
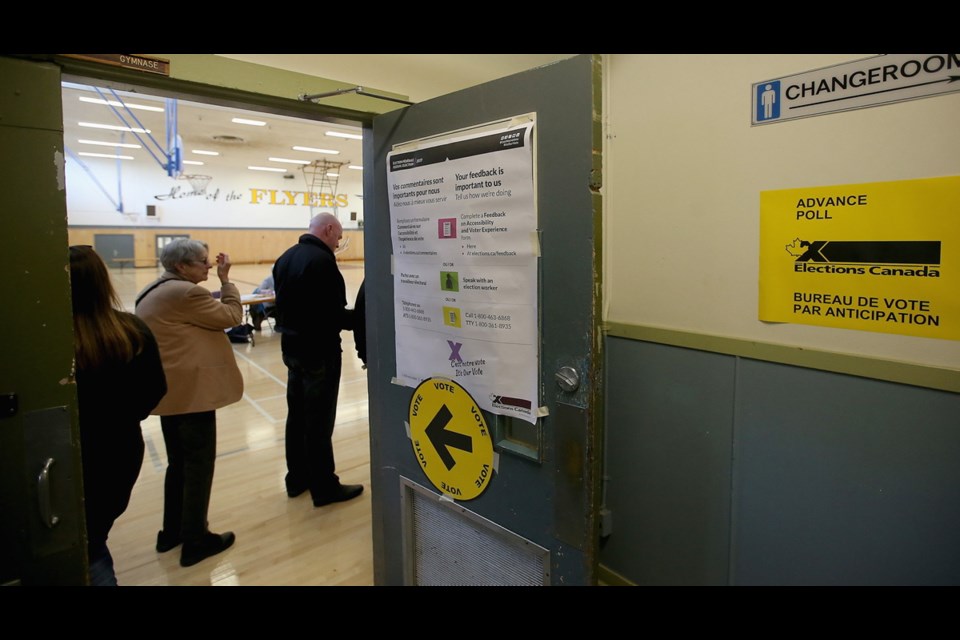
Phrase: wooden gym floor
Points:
(280, 541)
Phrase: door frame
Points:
(24, 566)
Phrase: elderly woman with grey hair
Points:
(202, 376)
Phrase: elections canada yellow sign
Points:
(881, 256)
(450, 438)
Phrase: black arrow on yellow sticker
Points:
(441, 438)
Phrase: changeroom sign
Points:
(870, 82)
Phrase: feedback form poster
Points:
(464, 226)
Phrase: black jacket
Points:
(111, 401)
(360, 323)
(311, 299)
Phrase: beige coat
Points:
(189, 323)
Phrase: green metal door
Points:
(527, 513)
(42, 535)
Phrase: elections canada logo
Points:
(912, 258)
(505, 402)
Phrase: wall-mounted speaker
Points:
(151, 211)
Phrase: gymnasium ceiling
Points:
(209, 127)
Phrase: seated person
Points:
(259, 312)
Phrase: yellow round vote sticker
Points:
(450, 438)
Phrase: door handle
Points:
(43, 496)
(568, 378)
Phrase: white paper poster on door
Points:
(464, 226)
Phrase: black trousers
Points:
(111, 465)
(191, 441)
(313, 385)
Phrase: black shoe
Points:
(166, 541)
(294, 488)
(293, 492)
(209, 545)
(342, 493)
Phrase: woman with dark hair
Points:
(203, 375)
(119, 380)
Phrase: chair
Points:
(260, 312)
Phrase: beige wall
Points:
(683, 175)
(245, 246)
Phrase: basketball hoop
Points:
(321, 177)
(198, 183)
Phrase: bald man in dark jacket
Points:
(310, 313)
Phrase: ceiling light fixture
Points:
(278, 170)
(196, 162)
(355, 166)
(201, 152)
(333, 175)
(315, 150)
(112, 127)
(104, 155)
(114, 103)
(351, 136)
(289, 161)
(125, 145)
(256, 123)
